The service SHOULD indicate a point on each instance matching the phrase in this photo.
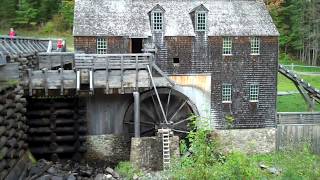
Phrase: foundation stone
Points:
(248, 140)
(146, 152)
(109, 149)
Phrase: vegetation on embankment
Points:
(205, 159)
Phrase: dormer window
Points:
(157, 19)
(156, 16)
(201, 21)
(199, 17)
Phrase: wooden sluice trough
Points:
(112, 74)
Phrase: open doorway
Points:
(136, 45)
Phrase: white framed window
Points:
(157, 21)
(201, 21)
(255, 45)
(254, 92)
(226, 93)
(227, 46)
(101, 46)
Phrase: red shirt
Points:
(12, 34)
(59, 44)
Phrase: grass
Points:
(295, 103)
(39, 33)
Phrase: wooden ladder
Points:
(166, 148)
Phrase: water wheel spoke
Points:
(179, 109)
(147, 131)
(180, 131)
(168, 102)
(181, 121)
(142, 122)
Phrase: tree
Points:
(26, 14)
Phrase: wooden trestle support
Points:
(12, 128)
(58, 127)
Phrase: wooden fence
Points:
(295, 129)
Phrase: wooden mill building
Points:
(222, 54)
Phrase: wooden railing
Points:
(54, 60)
(299, 118)
(113, 61)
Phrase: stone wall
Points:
(146, 152)
(248, 140)
(110, 149)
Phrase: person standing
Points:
(12, 33)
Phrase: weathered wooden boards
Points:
(54, 80)
(58, 127)
(12, 128)
(55, 60)
(297, 129)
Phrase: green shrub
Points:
(207, 162)
(127, 170)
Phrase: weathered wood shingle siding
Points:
(191, 51)
(115, 44)
(86, 44)
(241, 69)
(202, 54)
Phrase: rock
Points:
(109, 170)
(71, 177)
(109, 176)
(101, 177)
(56, 178)
(52, 170)
(112, 172)
(135, 177)
(45, 177)
(263, 166)
(116, 175)
(86, 171)
(274, 171)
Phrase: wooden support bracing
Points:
(306, 97)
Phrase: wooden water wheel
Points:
(178, 110)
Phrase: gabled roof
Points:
(130, 18)
(200, 8)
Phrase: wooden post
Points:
(45, 81)
(30, 81)
(107, 76)
(137, 73)
(136, 97)
(121, 64)
(62, 81)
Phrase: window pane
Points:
(254, 92)
(255, 45)
(226, 92)
(227, 46)
(201, 21)
(101, 46)
(157, 21)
